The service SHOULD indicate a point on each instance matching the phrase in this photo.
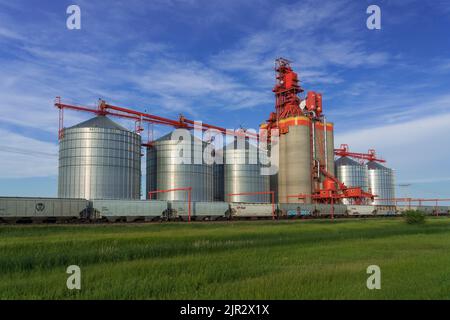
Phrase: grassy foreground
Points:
(238, 260)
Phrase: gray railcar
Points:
(24, 209)
(251, 210)
(199, 210)
(326, 209)
(129, 210)
(292, 210)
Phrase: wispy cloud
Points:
(417, 149)
(320, 37)
(9, 34)
(26, 157)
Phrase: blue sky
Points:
(213, 61)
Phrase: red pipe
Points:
(140, 116)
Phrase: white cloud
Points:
(24, 157)
(317, 36)
(418, 150)
(9, 34)
(192, 86)
(188, 79)
(309, 16)
(362, 105)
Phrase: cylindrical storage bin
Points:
(294, 175)
(99, 159)
(170, 173)
(381, 183)
(352, 174)
(219, 190)
(330, 148)
(324, 146)
(242, 173)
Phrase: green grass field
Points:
(229, 260)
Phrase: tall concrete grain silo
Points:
(99, 159)
(330, 148)
(381, 183)
(242, 173)
(324, 144)
(170, 173)
(294, 174)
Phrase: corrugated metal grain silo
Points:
(151, 168)
(352, 174)
(381, 183)
(99, 159)
(218, 173)
(242, 173)
(169, 173)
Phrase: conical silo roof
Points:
(372, 165)
(345, 161)
(99, 122)
(165, 137)
(168, 137)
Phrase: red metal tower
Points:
(288, 103)
(287, 88)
